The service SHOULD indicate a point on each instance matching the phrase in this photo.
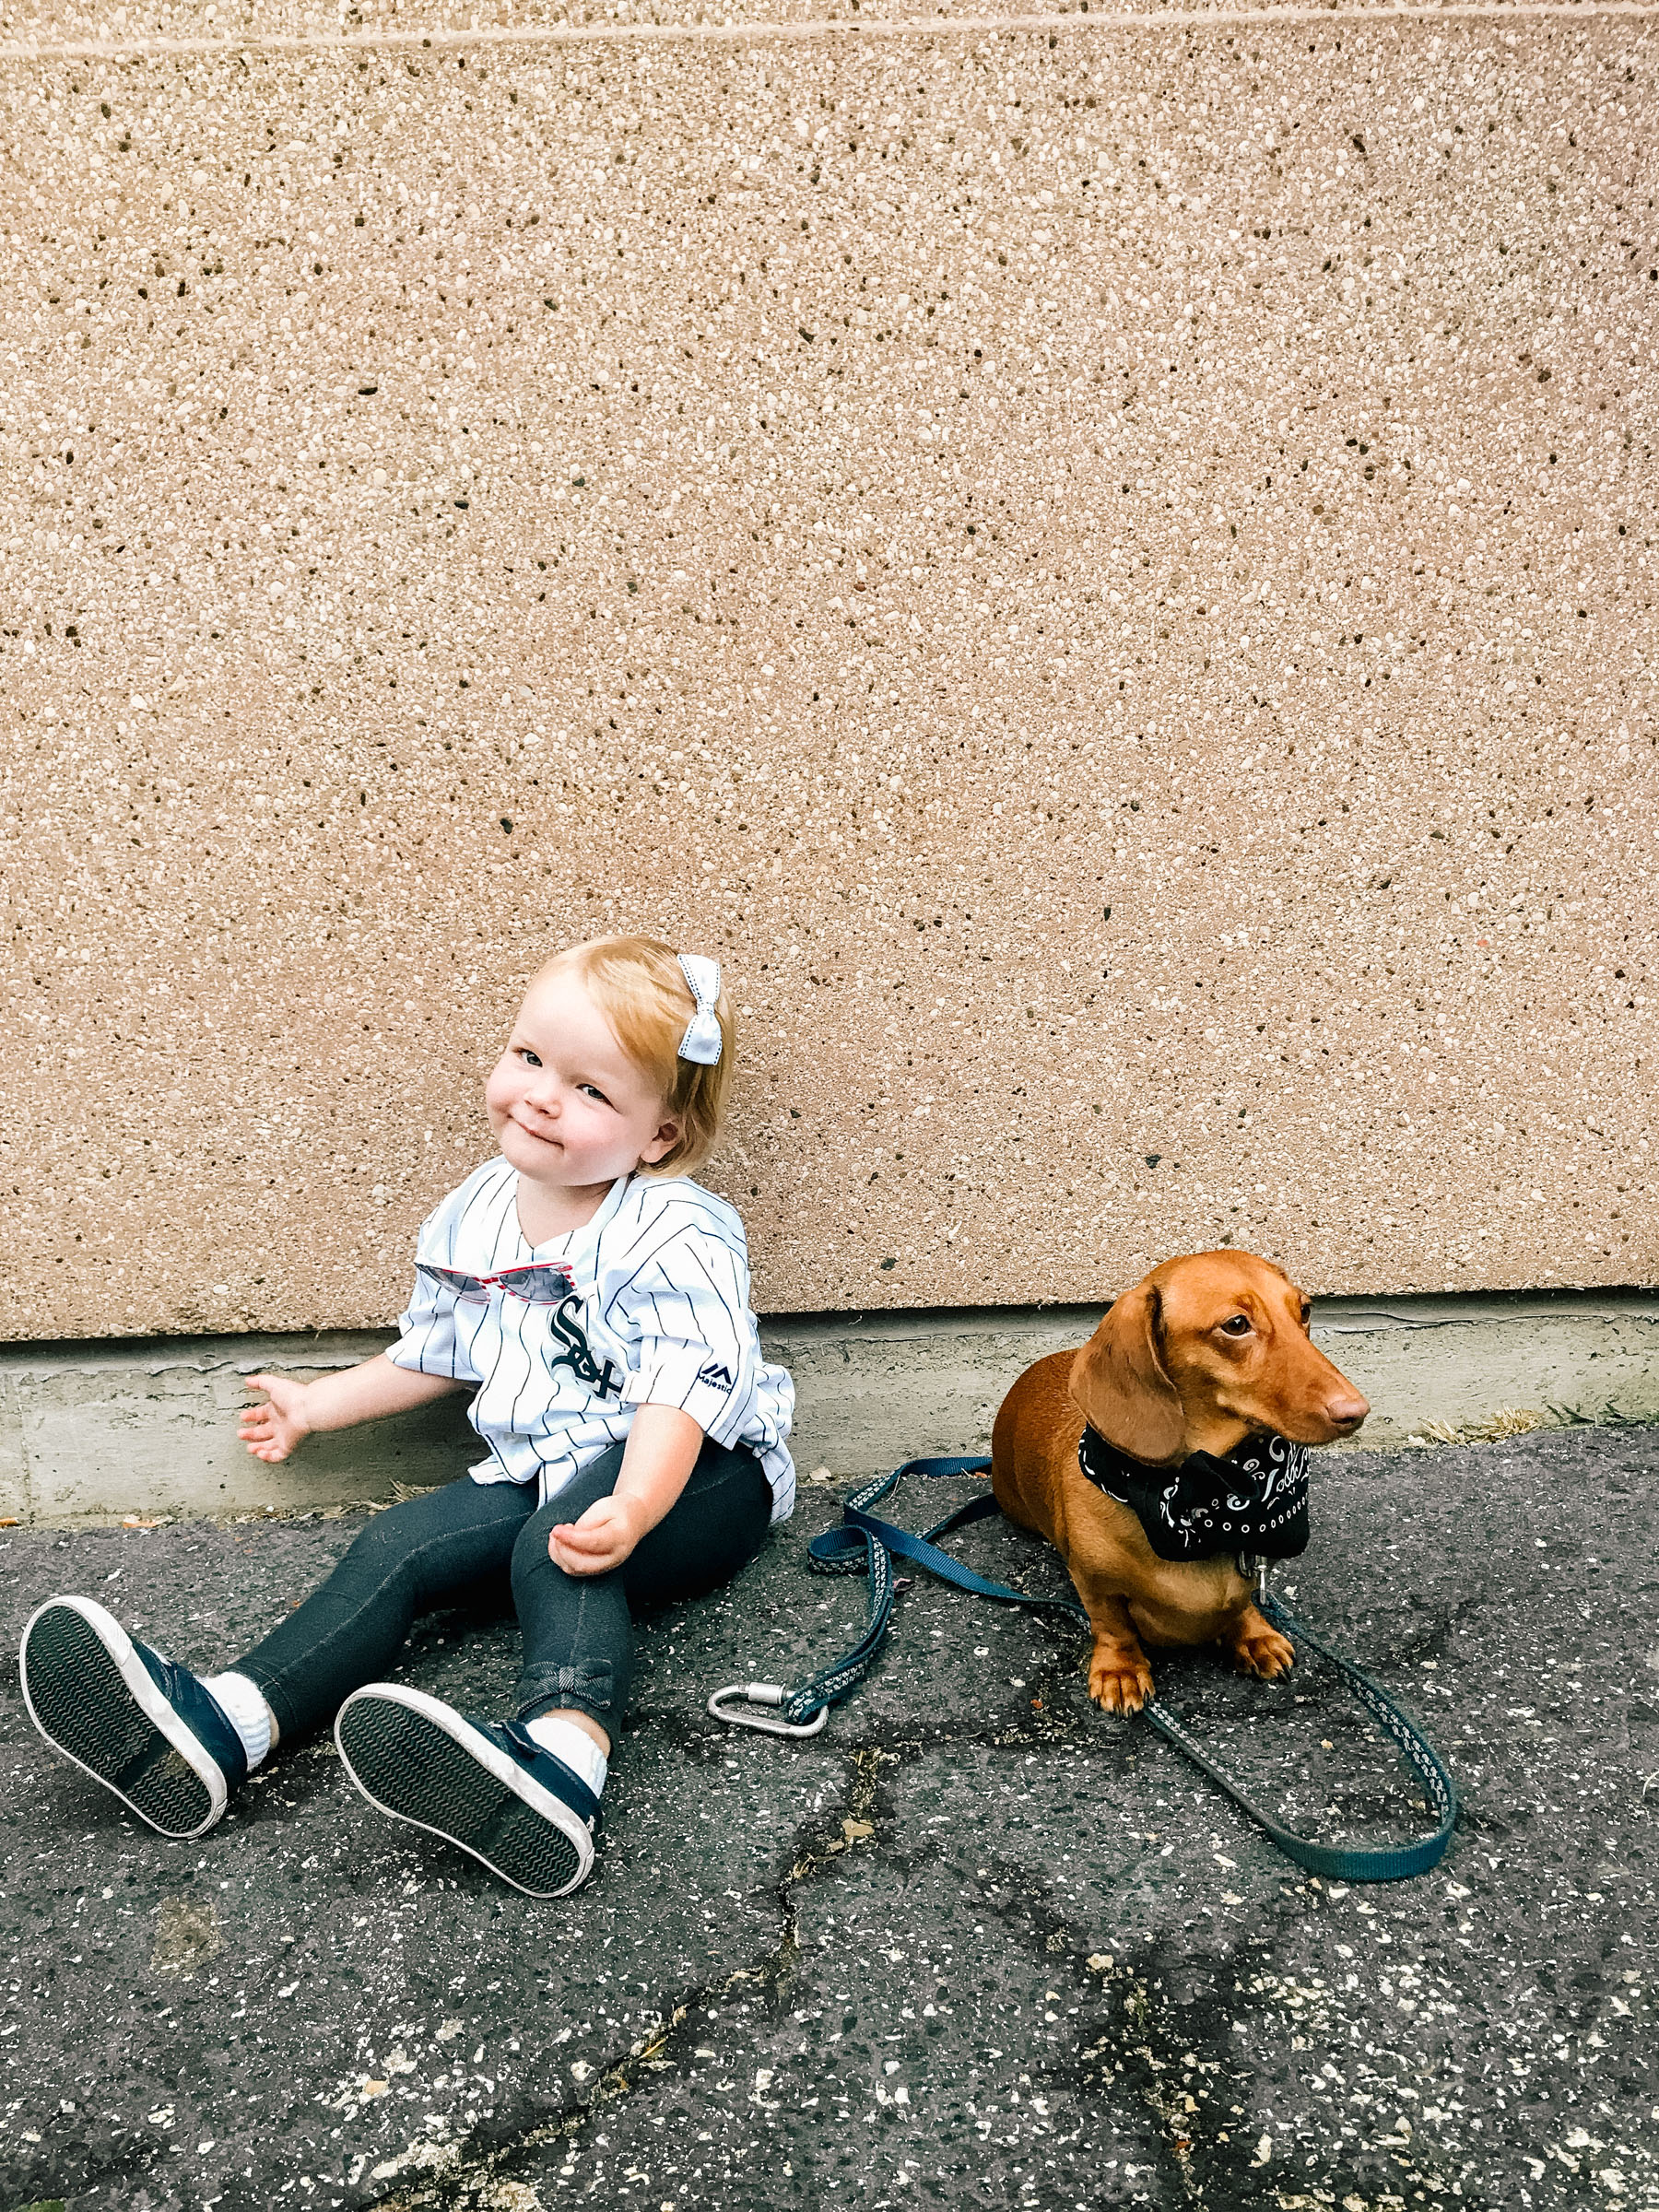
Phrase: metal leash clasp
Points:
(1255, 1566)
(768, 1697)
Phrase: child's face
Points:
(567, 1107)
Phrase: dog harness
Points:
(1253, 1502)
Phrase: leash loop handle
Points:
(1377, 1862)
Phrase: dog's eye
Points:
(1307, 1313)
(1238, 1327)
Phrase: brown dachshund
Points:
(1206, 1351)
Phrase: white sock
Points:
(574, 1744)
(246, 1709)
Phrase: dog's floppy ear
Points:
(1120, 1381)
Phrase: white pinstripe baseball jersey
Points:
(646, 1304)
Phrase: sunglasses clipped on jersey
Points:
(540, 1283)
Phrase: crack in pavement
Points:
(466, 2181)
(1138, 2049)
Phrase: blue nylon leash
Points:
(864, 1545)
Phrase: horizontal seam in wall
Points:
(929, 27)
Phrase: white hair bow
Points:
(702, 1040)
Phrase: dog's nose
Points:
(1347, 1410)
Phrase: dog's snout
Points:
(1345, 1409)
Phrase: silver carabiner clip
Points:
(764, 1694)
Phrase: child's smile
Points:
(567, 1107)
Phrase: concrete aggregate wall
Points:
(1104, 566)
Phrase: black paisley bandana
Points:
(1254, 1501)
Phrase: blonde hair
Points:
(639, 986)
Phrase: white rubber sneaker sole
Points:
(418, 1760)
(95, 1704)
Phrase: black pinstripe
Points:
(661, 1278)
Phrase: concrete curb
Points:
(93, 1432)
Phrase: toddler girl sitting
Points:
(596, 1302)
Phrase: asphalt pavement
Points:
(974, 1945)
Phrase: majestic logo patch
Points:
(715, 1376)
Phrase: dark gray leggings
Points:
(463, 1542)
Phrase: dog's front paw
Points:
(1119, 1680)
(1261, 1651)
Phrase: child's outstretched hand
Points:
(602, 1539)
(272, 1430)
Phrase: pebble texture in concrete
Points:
(1106, 570)
(975, 1945)
(216, 25)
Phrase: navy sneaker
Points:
(142, 1725)
(486, 1786)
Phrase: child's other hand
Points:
(272, 1430)
(602, 1539)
